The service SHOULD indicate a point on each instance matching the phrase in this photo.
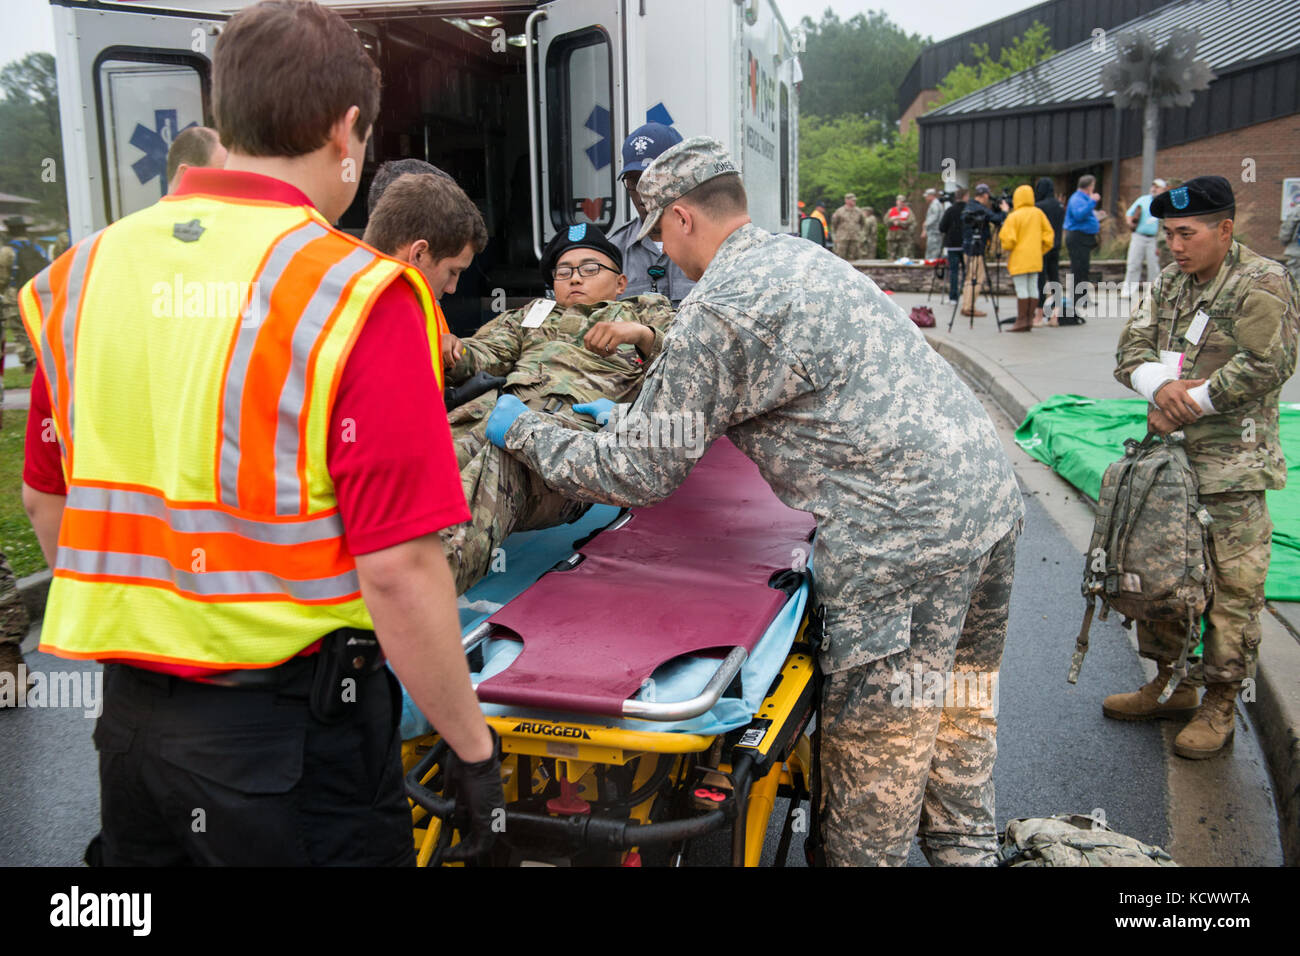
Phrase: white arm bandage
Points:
(1201, 395)
(1148, 377)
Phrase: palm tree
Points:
(1150, 77)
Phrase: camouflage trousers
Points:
(503, 494)
(15, 332)
(850, 250)
(1240, 540)
(908, 741)
(13, 613)
(898, 243)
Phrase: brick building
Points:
(1055, 118)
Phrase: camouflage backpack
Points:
(1073, 839)
(1149, 557)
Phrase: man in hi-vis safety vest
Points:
(237, 465)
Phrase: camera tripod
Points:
(974, 286)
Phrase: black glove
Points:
(470, 389)
(476, 788)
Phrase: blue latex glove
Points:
(599, 410)
(507, 409)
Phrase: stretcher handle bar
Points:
(701, 703)
(475, 635)
(534, 134)
(437, 805)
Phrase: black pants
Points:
(956, 272)
(192, 774)
(1080, 245)
(1051, 273)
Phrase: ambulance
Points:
(525, 104)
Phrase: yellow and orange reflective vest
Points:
(193, 351)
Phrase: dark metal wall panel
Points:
(1042, 135)
(1265, 88)
(1288, 88)
(1024, 140)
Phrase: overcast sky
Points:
(933, 18)
(27, 24)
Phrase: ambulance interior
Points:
(455, 94)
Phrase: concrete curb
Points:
(1276, 709)
(33, 589)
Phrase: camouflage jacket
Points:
(550, 361)
(836, 396)
(849, 223)
(871, 234)
(1247, 352)
(8, 294)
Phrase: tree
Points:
(1149, 77)
(854, 67)
(1023, 53)
(837, 156)
(31, 149)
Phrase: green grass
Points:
(17, 539)
(18, 378)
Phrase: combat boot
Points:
(1143, 704)
(1212, 727)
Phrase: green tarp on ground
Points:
(1079, 437)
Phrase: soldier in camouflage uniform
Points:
(1289, 236)
(872, 235)
(1211, 346)
(815, 375)
(584, 347)
(849, 227)
(10, 267)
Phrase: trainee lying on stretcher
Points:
(554, 355)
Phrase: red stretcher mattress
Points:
(687, 575)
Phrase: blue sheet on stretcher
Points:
(529, 555)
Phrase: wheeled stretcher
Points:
(656, 684)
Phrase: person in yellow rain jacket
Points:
(1026, 237)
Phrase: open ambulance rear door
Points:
(129, 80)
(578, 114)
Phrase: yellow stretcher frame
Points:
(742, 772)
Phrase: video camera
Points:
(947, 196)
(976, 219)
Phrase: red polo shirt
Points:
(397, 478)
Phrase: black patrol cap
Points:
(581, 236)
(1196, 197)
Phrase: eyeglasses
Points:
(587, 270)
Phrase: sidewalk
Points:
(1020, 370)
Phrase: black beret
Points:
(581, 236)
(1196, 197)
